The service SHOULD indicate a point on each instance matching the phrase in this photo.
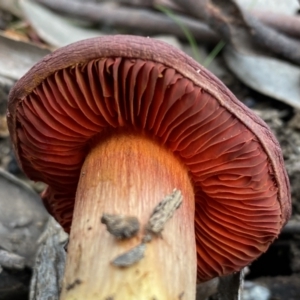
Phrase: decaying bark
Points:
(49, 263)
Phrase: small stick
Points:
(132, 17)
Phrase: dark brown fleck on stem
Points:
(73, 284)
(122, 227)
(164, 211)
(131, 257)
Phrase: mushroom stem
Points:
(129, 175)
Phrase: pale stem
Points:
(129, 175)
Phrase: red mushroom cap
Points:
(80, 91)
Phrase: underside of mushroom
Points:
(129, 127)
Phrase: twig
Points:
(290, 25)
(135, 17)
(132, 18)
(241, 29)
(272, 40)
(150, 3)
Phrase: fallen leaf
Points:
(288, 7)
(53, 28)
(272, 77)
(17, 57)
(49, 264)
(22, 217)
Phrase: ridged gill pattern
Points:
(237, 210)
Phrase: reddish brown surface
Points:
(58, 110)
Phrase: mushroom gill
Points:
(237, 209)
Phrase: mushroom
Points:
(113, 125)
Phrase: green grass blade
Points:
(184, 29)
